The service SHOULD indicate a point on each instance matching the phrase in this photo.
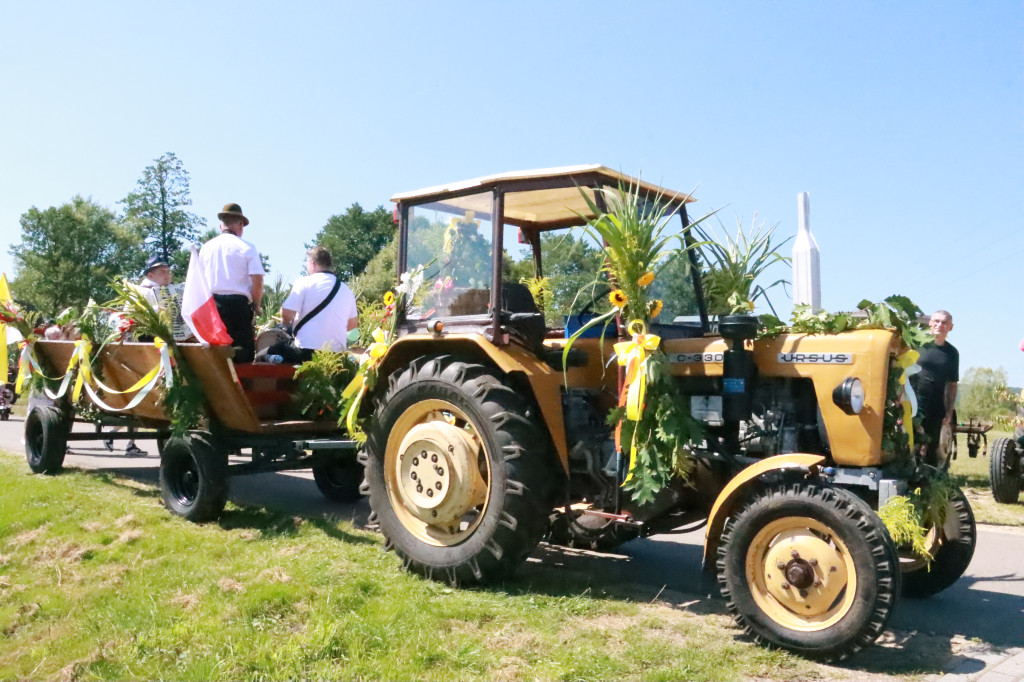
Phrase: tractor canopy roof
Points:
(544, 199)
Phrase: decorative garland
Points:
(383, 336)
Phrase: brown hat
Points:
(233, 211)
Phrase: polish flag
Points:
(199, 309)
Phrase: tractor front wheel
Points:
(951, 547)
(809, 568)
(460, 471)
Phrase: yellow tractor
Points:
(482, 443)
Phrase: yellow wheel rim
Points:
(437, 473)
(801, 574)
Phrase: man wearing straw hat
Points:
(234, 272)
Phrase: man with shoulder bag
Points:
(322, 308)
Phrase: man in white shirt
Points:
(330, 326)
(234, 272)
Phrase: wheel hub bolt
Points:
(817, 582)
(413, 476)
(433, 458)
(415, 461)
(785, 586)
(438, 485)
(430, 493)
(781, 566)
(795, 554)
(451, 448)
(812, 562)
(440, 471)
(419, 488)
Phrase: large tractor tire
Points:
(193, 478)
(460, 472)
(46, 439)
(951, 547)
(339, 480)
(1005, 470)
(809, 568)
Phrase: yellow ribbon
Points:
(906, 361)
(368, 362)
(632, 355)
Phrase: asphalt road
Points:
(985, 605)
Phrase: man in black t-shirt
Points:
(936, 383)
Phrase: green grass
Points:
(98, 581)
(972, 474)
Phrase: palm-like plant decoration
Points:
(654, 428)
(735, 264)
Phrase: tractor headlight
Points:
(849, 395)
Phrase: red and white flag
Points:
(199, 309)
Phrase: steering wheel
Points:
(595, 297)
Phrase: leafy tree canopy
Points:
(69, 253)
(983, 394)
(157, 211)
(354, 238)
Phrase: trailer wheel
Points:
(339, 480)
(193, 478)
(951, 547)
(46, 439)
(460, 473)
(1005, 470)
(810, 569)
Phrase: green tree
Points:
(982, 394)
(157, 209)
(355, 237)
(570, 263)
(69, 253)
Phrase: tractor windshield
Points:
(452, 239)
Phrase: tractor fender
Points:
(544, 382)
(736, 488)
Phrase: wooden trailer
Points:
(246, 407)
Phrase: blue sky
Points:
(902, 120)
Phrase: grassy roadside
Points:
(973, 476)
(98, 581)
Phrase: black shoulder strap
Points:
(323, 304)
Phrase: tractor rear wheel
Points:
(460, 472)
(1005, 470)
(46, 439)
(951, 547)
(809, 568)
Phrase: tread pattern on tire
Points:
(1005, 470)
(821, 645)
(523, 478)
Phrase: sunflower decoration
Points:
(618, 298)
(389, 298)
(654, 308)
(646, 279)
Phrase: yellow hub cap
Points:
(436, 473)
(800, 574)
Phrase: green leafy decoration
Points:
(321, 381)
